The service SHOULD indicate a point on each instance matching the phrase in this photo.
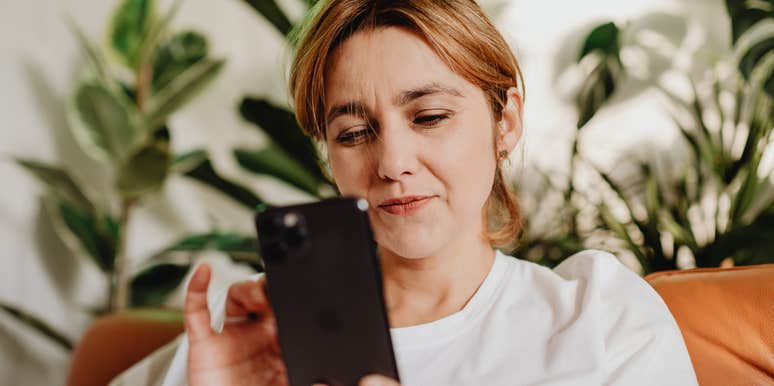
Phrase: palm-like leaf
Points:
(198, 166)
(281, 126)
(273, 14)
(38, 325)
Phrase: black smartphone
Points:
(325, 286)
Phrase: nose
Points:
(396, 153)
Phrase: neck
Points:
(421, 290)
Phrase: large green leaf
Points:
(130, 25)
(182, 89)
(272, 161)
(239, 247)
(602, 38)
(205, 173)
(273, 14)
(146, 169)
(601, 48)
(153, 285)
(93, 234)
(597, 87)
(38, 325)
(59, 182)
(281, 126)
(83, 228)
(175, 56)
(219, 241)
(103, 123)
(93, 55)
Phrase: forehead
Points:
(378, 64)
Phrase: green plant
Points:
(667, 215)
(118, 116)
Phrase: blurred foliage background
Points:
(712, 207)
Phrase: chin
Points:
(415, 245)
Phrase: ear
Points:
(510, 125)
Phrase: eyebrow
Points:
(349, 108)
(404, 98)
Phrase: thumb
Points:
(196, 312)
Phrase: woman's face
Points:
(432, 139)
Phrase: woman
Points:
(417, 103)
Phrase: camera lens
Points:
(295, 230)
(275, 250)
(271, 234)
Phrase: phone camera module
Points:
(295, 230)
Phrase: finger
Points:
(247, 297)
(196, 312)
(377, 380)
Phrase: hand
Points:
(377, 380)
(245, 352)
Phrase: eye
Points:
(353, 137)
(432, 120)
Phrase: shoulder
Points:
(591, 282)
(594, 298)
(595, 281)
(638, 332)
(593, 264)
(618, 289)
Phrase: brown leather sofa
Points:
(115, 342)
(726, 316)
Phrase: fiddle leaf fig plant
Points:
(118, 115)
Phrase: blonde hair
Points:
(458, 31)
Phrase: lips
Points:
(404, 205)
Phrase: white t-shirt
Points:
(589, 321)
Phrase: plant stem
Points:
(119, 290)
(119, 283)
(144, 76)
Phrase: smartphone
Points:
(325, 286)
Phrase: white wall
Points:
(39, 68)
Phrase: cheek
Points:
(349, 173)
(463, 161)
(467, 160)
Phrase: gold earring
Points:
(503, 154)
